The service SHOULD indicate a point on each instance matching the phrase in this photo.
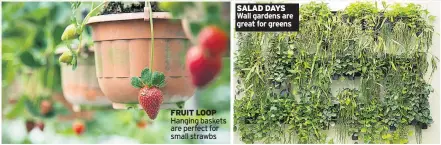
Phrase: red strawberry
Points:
(213, 40)
(40, 125)
(150, 99)
(30, 124)
(45, 107)
(141, 124)
(78, 127)
(202, 68)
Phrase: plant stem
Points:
(151, 35)
(79, 45)
(85, 21)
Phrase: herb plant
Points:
(284, 79)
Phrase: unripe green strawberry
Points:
(66, 57)
(150, 100)
(69, 33)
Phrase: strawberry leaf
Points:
(136, 82)
(158, 79)
(146, 77)
(32, 107)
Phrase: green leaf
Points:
(393, 65)
(195, 28)
(136, 82)
(180, 104)
(348, 101)
(92, 13)
(17, 110)
(146, 76)
(363, 130)
(158, 79)
(31, 107)
(28, 59)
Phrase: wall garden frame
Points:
(284, 78)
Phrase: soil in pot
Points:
(251, 120)
(334, 118)
(423, 125)
(351, 77)
(128, 7)
(284, 92)
(355, 136)
(357, 74)
(276, 85)
(379, 119)
(392, 128)
(325, 126)
(413, 122)
(283, 120)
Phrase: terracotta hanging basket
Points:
(80, 86)
(122, 50)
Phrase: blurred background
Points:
(34, 109)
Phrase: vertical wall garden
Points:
(284, 79)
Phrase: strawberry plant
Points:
(204, 59)
(75, 31)
(150, 97)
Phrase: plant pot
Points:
(392, 128)
(80, 86)
(413, 122)
(424, 125)
(335, 76)
(351, 77)
(355, 136)
(331, 124)
(284, 92)
(122, 50)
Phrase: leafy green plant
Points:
(360, 42)
(361, 9)
(75, 31)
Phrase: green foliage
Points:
(30, 33)
(315, 11)
(210, 13)
(284, 78)
(75, 30)
(361, 9)
(412, 14)
(149, 79)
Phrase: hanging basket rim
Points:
(128, 16)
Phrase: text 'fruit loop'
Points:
(192, 112)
